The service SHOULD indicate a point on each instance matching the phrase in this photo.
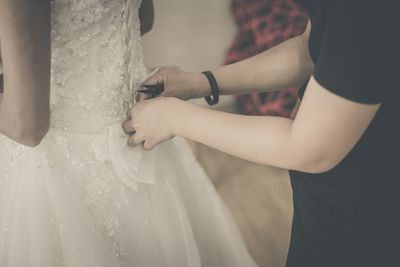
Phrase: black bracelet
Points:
(214, 89)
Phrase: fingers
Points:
(135, 140)
(155, 78)
(141, 96)
(128, 127)
(147, 145)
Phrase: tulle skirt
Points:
(89, 200)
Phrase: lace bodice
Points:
(96, 62)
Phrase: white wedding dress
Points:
(83, 197)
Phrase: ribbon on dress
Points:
(133, 165)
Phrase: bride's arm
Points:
(25, 50)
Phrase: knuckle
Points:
(136, 138)
(131, 141)
(147, 146)
(139, 136)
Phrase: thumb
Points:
(141, 96)
(154, 78)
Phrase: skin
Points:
(25, 50)
(324, 131)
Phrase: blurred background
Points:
(199, 35)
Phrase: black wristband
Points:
(214, 89)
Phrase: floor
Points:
(194, 35)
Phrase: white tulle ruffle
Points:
(76, 201)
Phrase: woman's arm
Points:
(25, 49)
(326, 128)
(281, 67)
(278, 68)
(146, 16)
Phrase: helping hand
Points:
(151, 122)
(177, 83)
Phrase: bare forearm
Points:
(265, 140)
(281, 67)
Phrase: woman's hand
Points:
(177, 83)
(152, 121)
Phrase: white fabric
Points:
(84, 198)
(132, 165)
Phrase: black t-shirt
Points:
(349, 216)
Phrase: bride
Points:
(78, 195)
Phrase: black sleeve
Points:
(349, 63)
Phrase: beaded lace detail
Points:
(96, 62)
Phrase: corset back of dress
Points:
(97, 61)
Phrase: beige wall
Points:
(192, 34)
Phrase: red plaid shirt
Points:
(262, 25)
